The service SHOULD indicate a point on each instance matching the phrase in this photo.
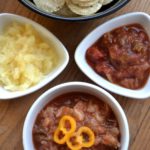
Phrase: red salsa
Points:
(122, 56)
(88, 111)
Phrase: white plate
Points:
(136, 17)
(63, 56)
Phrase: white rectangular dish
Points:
(63, 57)
(89, 40)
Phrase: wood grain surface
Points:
(13, 112)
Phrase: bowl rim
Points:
(109, 11)
(57, 71)
(90, 34)
(41, 99)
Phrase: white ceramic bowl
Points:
(63, 57)
(74, 87)
(136, 17)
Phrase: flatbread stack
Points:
(71, 7)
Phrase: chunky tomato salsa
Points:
(122, 56)
(76, 121)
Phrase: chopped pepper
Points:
(88, 137)
(84, 137)
(67, 126)
(65, 133)
(60, 137)
(74, 142)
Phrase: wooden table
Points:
(13, 112)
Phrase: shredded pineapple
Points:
(25, 58)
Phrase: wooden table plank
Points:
(12, 113)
